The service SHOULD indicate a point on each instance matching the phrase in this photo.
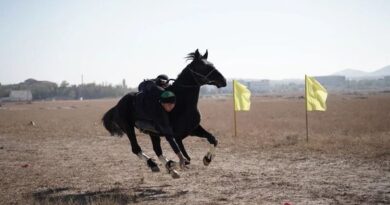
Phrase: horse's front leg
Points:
(136, 149)
(201, 132)
(169, 164)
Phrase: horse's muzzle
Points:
(221, 84)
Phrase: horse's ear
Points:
(206, 54)
(197, 54)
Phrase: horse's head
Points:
(203, 72)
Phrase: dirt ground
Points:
(59, 153)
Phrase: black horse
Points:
(184, 118)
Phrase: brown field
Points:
(68, 158)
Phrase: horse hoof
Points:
(152, 165)
(155, 169)
(171, 165)
(206, 160)
(174, 174)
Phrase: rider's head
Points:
(162, 80)
(168, 100)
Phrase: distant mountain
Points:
(358, 74)
(382, 72)
(351, 73)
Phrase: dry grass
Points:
(68, 158)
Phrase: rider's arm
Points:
(166, 130)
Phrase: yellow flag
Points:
(316, 95)
(241, 97)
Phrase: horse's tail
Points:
(109, 122)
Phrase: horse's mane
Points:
(190, 56)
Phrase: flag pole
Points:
(234, 110)
(307, 122)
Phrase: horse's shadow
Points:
(67, 195)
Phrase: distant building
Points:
(19, 95)
(387, 80)
(259, 86)
(332, 81)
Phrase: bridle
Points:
(199, 78)
(204, 78)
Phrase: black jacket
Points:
(149, 108)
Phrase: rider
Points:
(159, 112)
(152, 113)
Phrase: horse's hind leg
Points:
(136, 149)
(201, 132)
(169, 164)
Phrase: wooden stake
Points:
(234, 111)
(307, 121)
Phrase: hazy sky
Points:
(108, 41)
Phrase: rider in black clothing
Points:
(154, 105)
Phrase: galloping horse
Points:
(184, 118)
